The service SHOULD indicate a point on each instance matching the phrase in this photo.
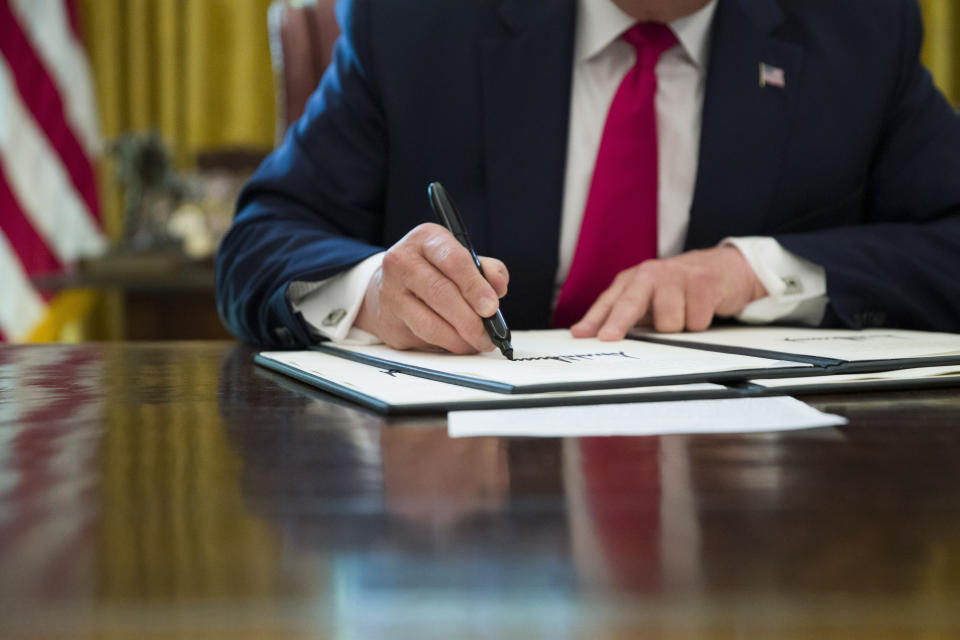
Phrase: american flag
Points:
(771, 76)
(49, 135)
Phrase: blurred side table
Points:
(164, 296)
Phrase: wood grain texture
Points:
(176, 491)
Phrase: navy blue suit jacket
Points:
(854, 165)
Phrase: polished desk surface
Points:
(176, 491)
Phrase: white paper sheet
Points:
(740, 415)
(840, 344)
(555, 357)
(401, 390)
(895, 375)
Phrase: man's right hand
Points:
(429, 295)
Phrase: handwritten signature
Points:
(579, 357)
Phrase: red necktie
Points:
(619, 228)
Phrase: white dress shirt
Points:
(796, 287)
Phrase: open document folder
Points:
(390, 391)
(550, 361)
(840, 350)
(554, 368)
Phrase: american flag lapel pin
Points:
(772, 76)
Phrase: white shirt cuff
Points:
(331, 306)
(796, 288)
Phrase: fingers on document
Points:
(640, 296)
(441, 275)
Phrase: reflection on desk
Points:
(174, 491)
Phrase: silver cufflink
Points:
(794, 286)
(334, 317)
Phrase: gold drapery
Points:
(941, 51)
(196, 71)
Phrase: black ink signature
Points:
(578, 357)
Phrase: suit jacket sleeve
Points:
(901, 267)
(314, 207)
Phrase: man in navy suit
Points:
(807, 172)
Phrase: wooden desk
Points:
(175, 491)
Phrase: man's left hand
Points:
(674, 294)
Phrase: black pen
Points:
(449, 217)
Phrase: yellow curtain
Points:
(196, 71)
(941, 51)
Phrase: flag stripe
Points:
(35, 256)
(74, 16)
(49, 137)
(40, 96)
(40, 184)
(47, 26)
(21, 308)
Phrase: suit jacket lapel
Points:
(745, 125)
(526, 83)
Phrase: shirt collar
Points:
(600, 22)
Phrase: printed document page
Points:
(839, 344)
(840, 379)
(401, 390)
(555, 357)
(736, 415)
